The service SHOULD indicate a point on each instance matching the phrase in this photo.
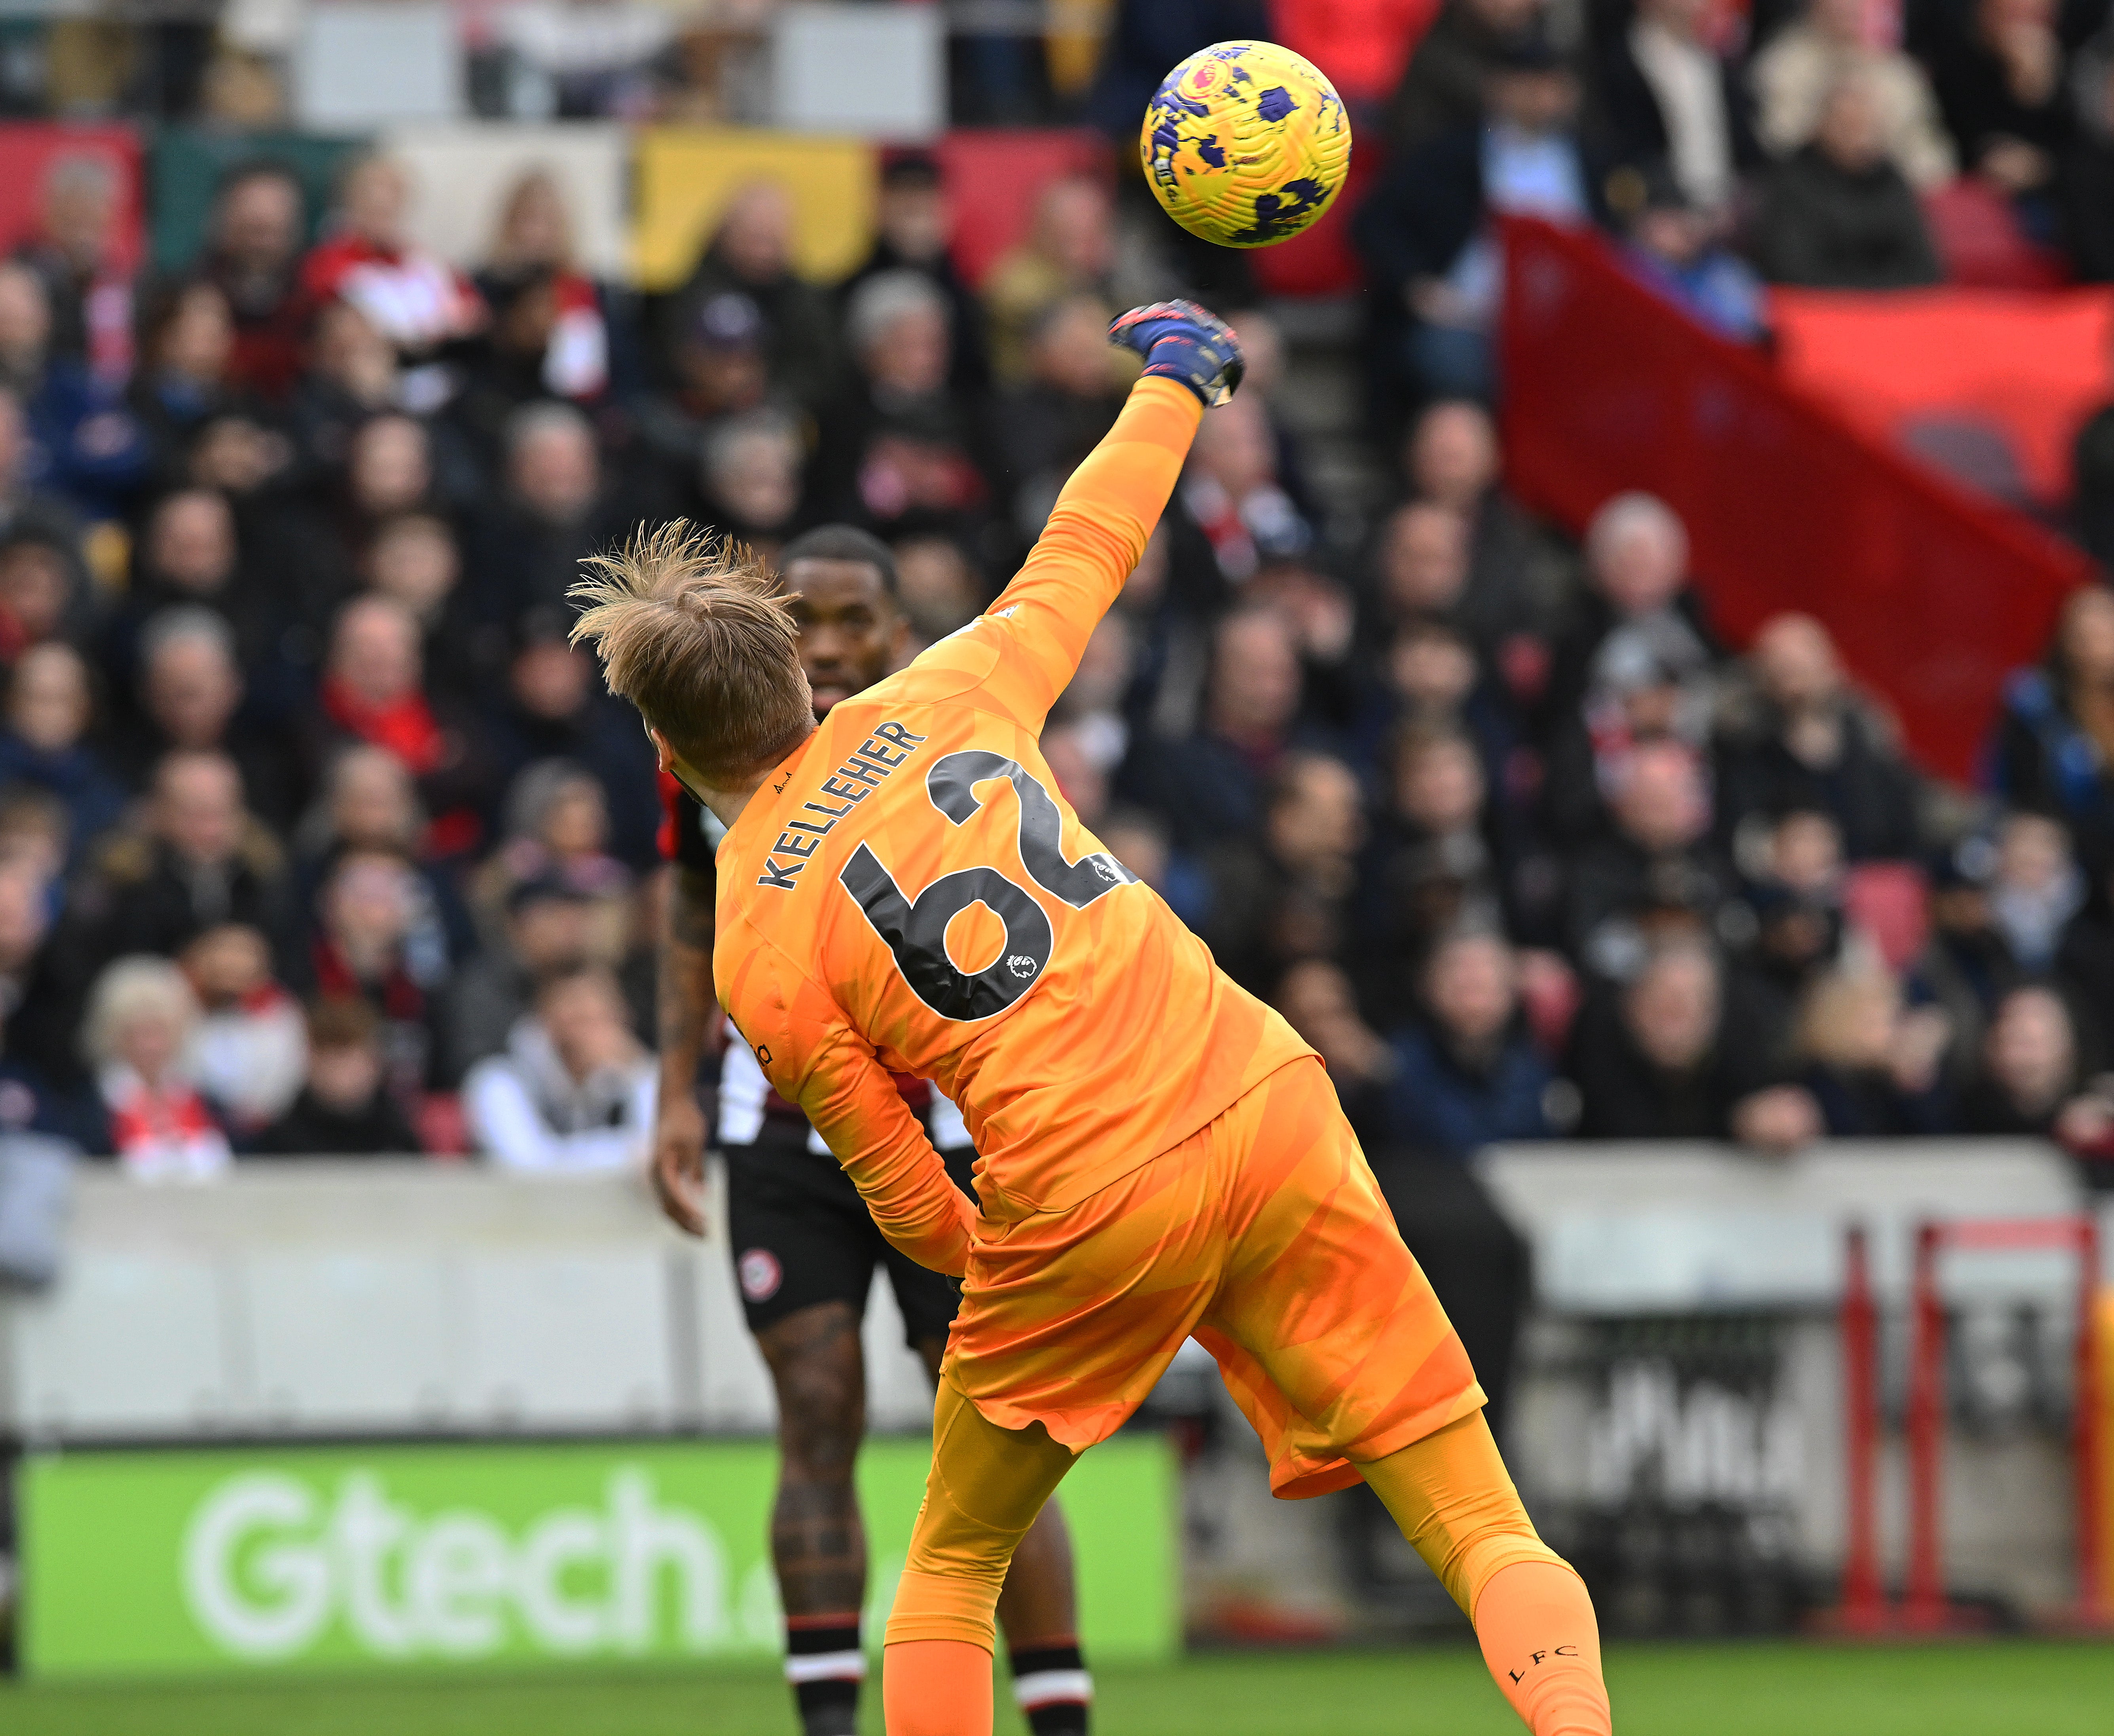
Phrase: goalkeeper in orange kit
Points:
(901, 890)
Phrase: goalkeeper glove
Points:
(1180, 341)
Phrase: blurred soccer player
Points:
(901, 890)
(805, 1247)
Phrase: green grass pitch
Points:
(1993, 1689)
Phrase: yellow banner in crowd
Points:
(685, 176)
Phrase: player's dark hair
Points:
(843, 543)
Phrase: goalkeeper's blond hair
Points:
(693, 630)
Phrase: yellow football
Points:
(1246, 143)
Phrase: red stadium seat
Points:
(994, 176)
(1979, 239)
(1887, 901)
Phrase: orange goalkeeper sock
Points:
(1539, 1637)
(936, 1688)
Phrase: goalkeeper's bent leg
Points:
(987, 1486)
(1451, 1495)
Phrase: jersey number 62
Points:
(916, 931)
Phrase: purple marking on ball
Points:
(1212, 152)
(1275, 103)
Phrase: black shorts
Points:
(801, 1234)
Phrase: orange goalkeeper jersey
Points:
(909, 893)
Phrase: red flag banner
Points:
(2026, 367)
(1934, 594)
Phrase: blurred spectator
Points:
(1425, 232)
(2032, 1081)
(1839, 213)
(752, 480)
(1666, 94)
(186, 342)
(1287, 895)
(189, 555)
(43, 594)
(1967, 966)
(751, 254)
(913, 225)
(1802, 65)
(898, 452)
(1798, 734)
(554, 511)
(141, 1018)
(554, 317)
(189, 698)
(370, 803)
(387, 470)
(352, 374)
(2055, 737)
(343, 1109)
(373, 691)
(557, 827)
(573, 1091)
(1999, 72)
(1070, 251)
(253, 252)
(719, 370)
(1657, 1059)
(1441, 89)
(1316, 998)
(1469, 1075)
(1230, 491)
(1431, 681)
(547, 931)
(1423, 571)
(2035, 890)
(373, 941)
(248, 1052)
(76, 254)
(1435, 871)
(2088, 175)
(1451, 460)
(1871, 1067)
(1674, 249)
(1636, 606)
(1209, 786)
(412, 298)
(85, 445)
(198, 860)
(1655, 873)
(1075, 387)
(414, 559)
(1796, 895)
(27, 507)
(49, 709)
(555, 708)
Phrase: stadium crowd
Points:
(316, 836)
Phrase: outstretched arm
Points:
(1097, 531)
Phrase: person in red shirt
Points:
(803, 1244)
(414, 298)
(901, 889)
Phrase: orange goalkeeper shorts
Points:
(1265, 1236)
